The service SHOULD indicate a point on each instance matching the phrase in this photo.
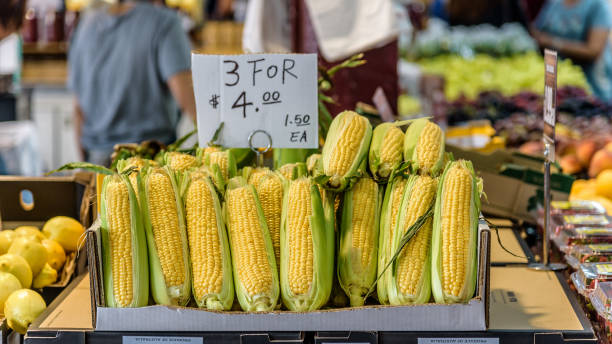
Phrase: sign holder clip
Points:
(259, 152)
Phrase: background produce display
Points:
(31, 258)
(440, 39)
(508, 75)
(256, 239)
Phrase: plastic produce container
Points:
(589, 275)
(576, 207)
(569, 237)
(596, 253)
(601, 299)
(561, 222)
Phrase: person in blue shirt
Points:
(579, 30)
(129, 68)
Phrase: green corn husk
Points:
(323, 250)
(215, 301)
(163, 294)
(422, 237)
(379, 167)
(396, 186)
(411, 147)
(325, 174)
(284, 156)
(355, 275)
(140, 265)
(312, 162)
(437, 270)
(263, 301)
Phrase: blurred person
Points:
(579, 30)
(11, 16)
(129, 68)
(474, 12)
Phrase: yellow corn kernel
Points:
(392, 147)
(270, 192)
(428, 146)
(119, 222)
(347, 146)
(166, 231)
(301, 269)
(247, 242)
(365, 194)
(287, 170)
(221, 159)
(412, 259)
(455, 228)
(181, 161)
(396, 202)
(257, 175)
(204, 240)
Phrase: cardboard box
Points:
(49, 196)
(513, 182)
(472, 316)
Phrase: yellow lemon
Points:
(47, 276)
(56, 256)
(25, 231)
(17, 266)
(33, 252)
(65, 230)
(6, 239)
(22, 307)
(8, 284)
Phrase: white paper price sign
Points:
(276, 93)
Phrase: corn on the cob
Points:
(410, 281)
(137, 164)
(222, 166)
(180, 161)
(394, 194)
(455, 229)
(270, 190)
(166, 237)
(255, 271)
(254, 176)
(287, 169)
(424, 146)
(345, 151)
(358, 253)
(124, 251)
(386, 151)
(307, 248)
(211, 265)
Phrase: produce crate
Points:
(513, 182)
(472, 316)
(50, 196)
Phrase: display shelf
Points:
(50, 48)
(511, 240)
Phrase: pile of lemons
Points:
(31, 258)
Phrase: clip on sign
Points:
(550, 101)
(263, 100)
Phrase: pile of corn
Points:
(194, 229)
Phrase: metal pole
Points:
(545, 265)
(546, 241)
